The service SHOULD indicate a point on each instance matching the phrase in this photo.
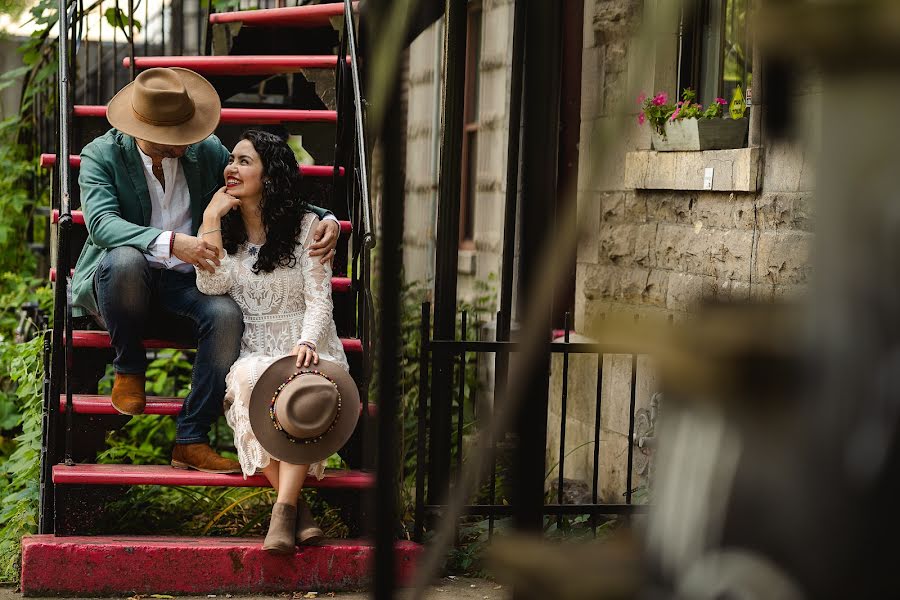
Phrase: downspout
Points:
(435, 150)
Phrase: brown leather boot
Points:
(280, 539)
(201, 457)
(308, 531)
(128, 396)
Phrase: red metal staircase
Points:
(60, 561)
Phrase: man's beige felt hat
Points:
(305, 415)
(170, 106)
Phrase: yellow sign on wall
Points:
(738, 104)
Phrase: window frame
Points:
(702, 27)
(471, 125)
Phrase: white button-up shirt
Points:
(170, 211)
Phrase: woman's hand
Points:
(305, 355)
(221, 204)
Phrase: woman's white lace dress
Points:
(280, 308)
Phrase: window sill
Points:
(733, 170)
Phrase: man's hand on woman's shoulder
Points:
(325, 240)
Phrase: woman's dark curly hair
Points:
(281, 206)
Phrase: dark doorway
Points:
(569, 138)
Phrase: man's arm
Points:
(102, 212)
(322, 213)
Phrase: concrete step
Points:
(137, 565)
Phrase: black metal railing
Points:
(490, 505)
(107, 31)
(352, 152)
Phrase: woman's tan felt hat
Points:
(170, 106)
(315, 407)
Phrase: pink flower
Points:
(675, 114)
(721, 101)
(680, 103)
(642, 98)
(642, 119)
(660, 99)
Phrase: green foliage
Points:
(119, 18)
(215, 511)
(412, 296)
(17, 203)
(13, 8)
(19, 470)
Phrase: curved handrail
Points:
(350, 32)
(350, 98)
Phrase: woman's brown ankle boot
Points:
(308, 531)
(280, 539)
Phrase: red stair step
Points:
(127, 565)
(338, 284)
(236, 65)
(100, 339)
(78, 219)
(91, 474)
(318, 15)
(89, 404)
(49, 160)
(257, 116)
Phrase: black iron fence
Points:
(470, 405)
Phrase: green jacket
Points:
(116, 201)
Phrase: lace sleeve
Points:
(316, 291)
(218, 283)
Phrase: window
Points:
(469, 188)
(715, 57)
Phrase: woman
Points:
(258, 222)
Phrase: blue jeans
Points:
(137, 301)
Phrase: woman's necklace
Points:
(253, 246)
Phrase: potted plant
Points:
(687, 126)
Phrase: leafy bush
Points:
(19, 470)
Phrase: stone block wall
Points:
(656, 244)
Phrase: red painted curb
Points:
(124, 565)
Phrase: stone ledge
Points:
(735, 170)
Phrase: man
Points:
(144, 186)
